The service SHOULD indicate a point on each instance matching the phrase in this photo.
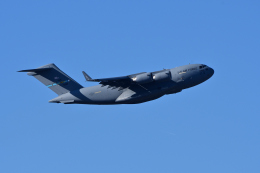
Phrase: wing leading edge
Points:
(114, 82)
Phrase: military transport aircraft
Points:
(131, 89)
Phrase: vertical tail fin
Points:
(55, 79)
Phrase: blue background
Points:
(213, 127)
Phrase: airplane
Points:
(131, 89)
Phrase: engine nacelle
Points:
(162, 76)
(143, 78)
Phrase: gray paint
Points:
(132, 89)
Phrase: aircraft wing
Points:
(114, 82)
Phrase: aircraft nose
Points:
(211, 72)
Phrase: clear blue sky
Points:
(213, 127)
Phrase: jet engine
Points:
(162, 76)
(143, 78)
(149, 77)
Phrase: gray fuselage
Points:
(182, 77)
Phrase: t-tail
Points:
(55, 79)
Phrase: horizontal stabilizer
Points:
(35, 70)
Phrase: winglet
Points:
(87, 77)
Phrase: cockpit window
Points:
(202, 66)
